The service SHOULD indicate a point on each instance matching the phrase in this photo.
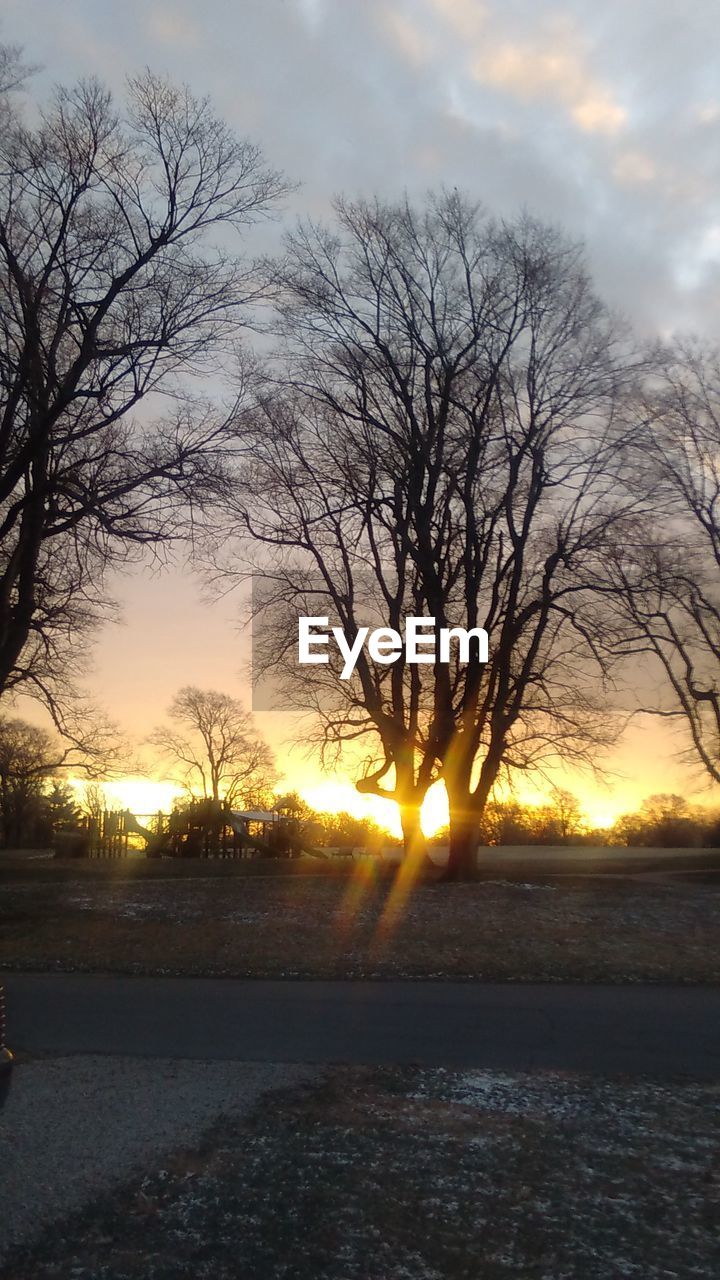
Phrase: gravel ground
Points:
(420, 1175)
(73, 1128)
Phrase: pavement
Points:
(639, 1030)
(73, 1129)
(115, 1074)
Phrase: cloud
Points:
(466, 17)
(413, 43)
(708, 113)
(634, 167)
(170, 27)
(489, 45)
(604, 118)
(532, 72)
(700, 258)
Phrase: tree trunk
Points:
(464, 827)
(414, 842)
(467, 808)
(464, 837)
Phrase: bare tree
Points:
(13, 72)
(28, 758)
(94, 802)
(119, 291)
(310, 501)
(667, 821)
(669, 572)
(215, 747)
(563, 815)
(510, 822)
(445, 445)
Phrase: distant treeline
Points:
(35, 805)
(663, 821)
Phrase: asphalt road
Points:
(651, 1029)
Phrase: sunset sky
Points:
(603, 118)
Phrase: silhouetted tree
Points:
(345, 831)
(13, 73)
(564, 817)
(118, 289)
(214, 747)
(670, 571)
(94, 802)
(665, 821)
(510, 822)
(28, 758)
(505, 822)
(62, 808)
(446, 445)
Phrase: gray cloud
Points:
(604, 118)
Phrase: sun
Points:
(435, 813)
(600, 816)
(335, 796)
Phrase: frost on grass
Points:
(335, 926)
(416, 1175)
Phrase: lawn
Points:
(319, 920)
(420, 1175)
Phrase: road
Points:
(651, 1029)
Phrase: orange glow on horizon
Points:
(601, 804)
(337, 794)
(140, 795)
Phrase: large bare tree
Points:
(440, 437)
(669, 572)
(120, 289)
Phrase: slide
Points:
(298, 847)
(238, 823)
(132, 824)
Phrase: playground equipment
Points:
(109, 832)
(206, 829)
(240, 822)
(280, 837)
(132, 825)
(202, 829)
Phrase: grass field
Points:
(420, 1175)
(324, 920)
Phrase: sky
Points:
(603, 118)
